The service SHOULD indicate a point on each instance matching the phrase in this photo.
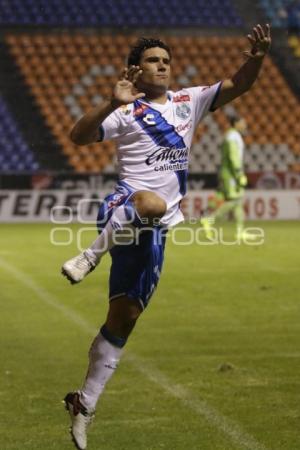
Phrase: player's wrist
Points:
(258, 54)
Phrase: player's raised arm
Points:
(86, 130)
(242, 80)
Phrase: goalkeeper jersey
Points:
(154, 140)
(232, 154)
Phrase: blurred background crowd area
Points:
(61, 57)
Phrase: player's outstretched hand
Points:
(125, 90)
(260, 41)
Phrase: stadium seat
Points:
(118, 13)
(282, 13)
(15, 154)
(69, 72)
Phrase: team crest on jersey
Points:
(183, 111)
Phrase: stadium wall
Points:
(66, 206)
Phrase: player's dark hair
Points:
(143, 44)
(233, 119)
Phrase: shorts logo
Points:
(115, 201)
(183, 111)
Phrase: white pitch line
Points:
(137, 421)
(47, 297)
(238, 436)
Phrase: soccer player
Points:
(153, 128)
(232, 180)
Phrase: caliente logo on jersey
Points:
(168, 158)
(163, 154)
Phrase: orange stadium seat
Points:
(68, 73)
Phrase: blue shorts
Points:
(136, 268)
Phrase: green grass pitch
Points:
(213, 364)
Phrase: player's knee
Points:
(122, 316)
(149, 205)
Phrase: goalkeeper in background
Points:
(232, 180)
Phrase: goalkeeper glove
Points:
(242, 180)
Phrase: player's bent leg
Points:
(75, 269)
(143, 208)
(104, 355)
(149, 206)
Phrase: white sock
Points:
(104, 358)
(117, 228)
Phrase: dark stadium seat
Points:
(119, 13)
(282, 13)
(15, 155)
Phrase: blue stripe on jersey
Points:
(163, 134)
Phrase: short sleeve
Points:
(204, 98)
(111, 127)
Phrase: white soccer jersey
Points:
(154, 140)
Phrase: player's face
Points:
(155, 64)
(241, 126)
